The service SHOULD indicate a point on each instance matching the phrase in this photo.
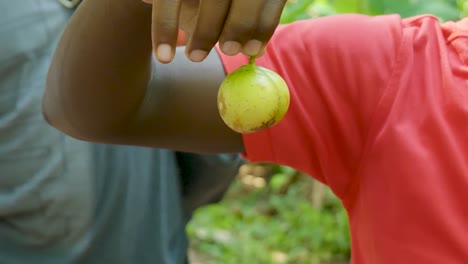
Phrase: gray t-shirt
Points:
(67, 201)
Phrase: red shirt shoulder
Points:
(378, 113)
(325, 62)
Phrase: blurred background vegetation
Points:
(273, 214)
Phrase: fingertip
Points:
(164, 53)
(252, 47)
(197, 55)
(230, 47)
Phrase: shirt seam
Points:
(351, 193)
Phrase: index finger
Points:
(165, 27)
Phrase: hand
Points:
(238, 25)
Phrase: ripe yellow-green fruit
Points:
(252, 98)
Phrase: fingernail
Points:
(231, 47)
(252, 47)
(164, 52)
(197, 55)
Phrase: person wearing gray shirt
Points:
(67, 201)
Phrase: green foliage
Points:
(263, 226)
(444, 9)
(266, 225)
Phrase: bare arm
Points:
(104, 86)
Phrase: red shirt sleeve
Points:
(337, 69)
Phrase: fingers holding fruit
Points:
(238, 25)
(250, 25)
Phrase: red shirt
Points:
(379, 113)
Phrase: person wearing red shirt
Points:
(378, 113)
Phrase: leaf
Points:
(348, 6)
(445, 11)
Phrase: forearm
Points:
(101, 67)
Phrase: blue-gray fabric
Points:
(67, 201)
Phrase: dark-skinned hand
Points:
(238, 25)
